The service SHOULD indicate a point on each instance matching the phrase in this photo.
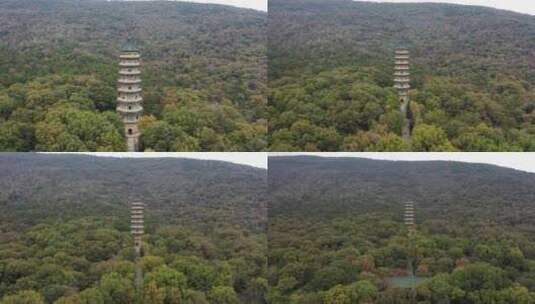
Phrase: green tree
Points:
(169, 281)
(223, 295)
(152, 294)
(24, 297)
(363, 292)
(66, 128)
(430, 139)
(338, 294)
(116, 289)
(149, 263)
(439, 289)
(161, 136)
(16, 136)
(479, 276)
(87, 296)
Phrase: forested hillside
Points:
(337, 235)
(204, 75)
(65, 234)
(331, 66)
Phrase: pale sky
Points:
(260, 5)
(519, 161)
(258, 159)
(521, 6)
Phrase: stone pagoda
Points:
(402, 85)
(137, 224)
(409, 217)
(129, 97)
(411, 231)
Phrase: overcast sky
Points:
(260, 5)
(519, 161)
(258, 159)
(521, 6)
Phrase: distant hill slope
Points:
(444, 38)
(331, 66)
(204, 194)
(323, 188)
(65, 230)
(337, 225)
(199, 60)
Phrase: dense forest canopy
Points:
(204, 75)
(65, 234)
(331, 65)
(337, 235)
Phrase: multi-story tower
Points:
(402, 84)
(129, 97)
(411, 227)
(409, 216)
(136, 224)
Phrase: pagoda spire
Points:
(402, 84)
(129, 93)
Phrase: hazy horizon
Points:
(260, 5)
(254, 159)
(524, 161)
(519, 6)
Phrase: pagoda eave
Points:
(129, 101)
(129, 91)
(126, 111)
(129, 73)
(127, 82)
